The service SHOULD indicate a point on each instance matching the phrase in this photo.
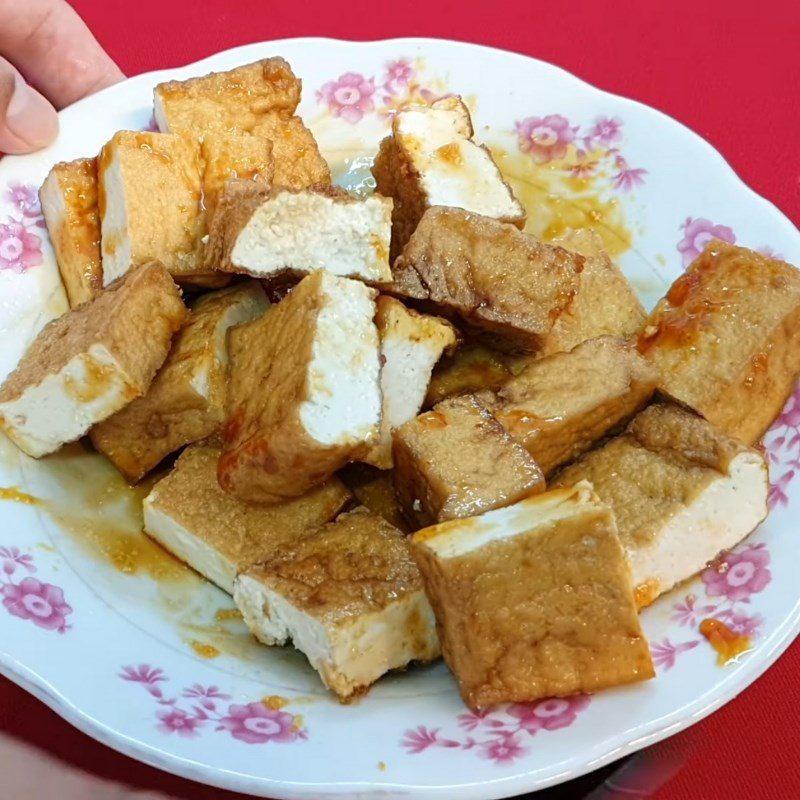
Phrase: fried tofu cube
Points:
(233, 156)
(187, 400)
(534, 600)
(374, 489)
(304, 391)
(90, 362)
(559, 406)
(726, 338)
(298, 161)
(220, 536)
(349, 597)
(457, 461)
(505, 283)
(69, 204)
(681, 492)
(432, 160)
(234, 100)
(605, 304)
(303, 231)
(149, 203)
(411, 344)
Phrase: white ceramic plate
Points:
(141, 654)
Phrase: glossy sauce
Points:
(728, 644)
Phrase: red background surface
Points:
(727, 70)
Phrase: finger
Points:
(52, 47)
(27, 121)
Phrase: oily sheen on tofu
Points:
(534, 600)
(69, 205)
(90, 362)
(431, 160)
(349, 597)
(219, 535)
(304, 390)
(187, 400)
(681, 492)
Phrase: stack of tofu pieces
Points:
(348, 468)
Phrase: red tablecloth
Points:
(726, 69)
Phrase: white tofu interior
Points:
(349, 653)
(115, 243)
(63, 406)
(306, 231)
(159, 113)
(454, 170)
(344, 399)
(720, 517)
(453, 539)
(188, 547)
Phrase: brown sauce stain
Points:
(432, 420)
(18, 496)
(275, 702)
(98, 380)
(450, 153)
(645, 593)
(204, 650)
(728, 644)
(228, 614)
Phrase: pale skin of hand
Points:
(48, 59)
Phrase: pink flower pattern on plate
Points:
(782, 448)
(545, 138)
(737, 576)
(606, 130)
(499, 733)
(20, 247)
(41, 603)
(697, 233)
(252, 723)
(349, 96)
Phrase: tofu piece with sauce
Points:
(431, 159)
(681, 492)
(90, 362)
(187, 400)
(304, 390)
(68, 198)
(298, 232)
(349, 597)
(557, 407)
(534, 600)
(411, 344)
(505, 284)
(457, 461)
(220, 536)
(726, 338)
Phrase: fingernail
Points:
(29, 116)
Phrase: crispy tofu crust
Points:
(187, 400)
(540, 605)
(243, 534)
(456, 461)
(269, 454)
(605, 304)
(69, 204)
(558, 407)
(220, 102)
(726, 338)
(507, 284)
(147, 300)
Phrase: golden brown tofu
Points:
(304, 390)
(431, 160)
(349, 597)
(559, 406)
(233, 156)
(90, 362)
(534, 600)
(187, 400)
(149, 201)
(458, 461)
(298, 161)
(605, 304)
(219, 536)
(221, 102)
(374, 489)
(680, 490)
(69, 205)
(507, 284)
(411, 344)
(726, 338)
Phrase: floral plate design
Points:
(140, 653)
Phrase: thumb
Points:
(27, 120)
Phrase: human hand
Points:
(49, 44)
